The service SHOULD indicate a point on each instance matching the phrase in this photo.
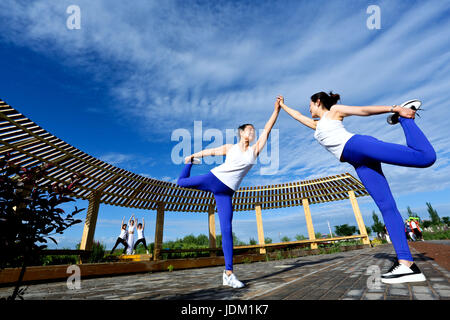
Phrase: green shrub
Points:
(438, 235)
(58, 259)
(98, 252)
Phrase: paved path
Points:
(331, 276)
(447, 242)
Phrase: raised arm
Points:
(219, 151)
(143, 224)
(259, 145)
(341, 111)
(309, 122)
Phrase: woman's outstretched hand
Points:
(405, 112)
(277, 104)
(280, 100)
(188, 159)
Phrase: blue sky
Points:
(136, 71)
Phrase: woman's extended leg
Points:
(115, 246)
(376, 184)
(418, 152)
(223, 196)
(120, 240)
(137, 243)
(225, 211)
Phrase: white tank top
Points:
(140, 233)
(332, 135)
(235, 167)
(123, 234)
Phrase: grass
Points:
(437, 235)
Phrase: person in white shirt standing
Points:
(131, 226)
(366, 154)
(225, 179)
(414, 224)
(141, 239)
(122, 239)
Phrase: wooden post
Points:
(159, 230)
(358, 216)
(309, 224)
(259, 225)
(90, 223)
(212, 230)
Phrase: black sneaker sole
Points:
(393, 118)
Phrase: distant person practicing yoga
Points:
(366, 154)
(141, 239)
(225, 179)
(122, 239)
(131, 226)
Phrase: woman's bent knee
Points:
(428, 159)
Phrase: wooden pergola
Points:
(31, 145)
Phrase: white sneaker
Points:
(146, 251)
(412, 104)
(134, 252)
(399, 273)
(231, 281)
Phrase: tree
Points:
(412, 214)
(285, 239)
(300, 237)
(344, 230)
(268, 240)
(426, 224)
(29, 215)
(252, 241)
(236, 241)
(378, 226)
(446, 220)
(435, 220)
(201, 240)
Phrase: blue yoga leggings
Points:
(223, 195)
(366, 154)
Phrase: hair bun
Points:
(334, 97)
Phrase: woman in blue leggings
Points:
(225, 179)
(366, 154)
